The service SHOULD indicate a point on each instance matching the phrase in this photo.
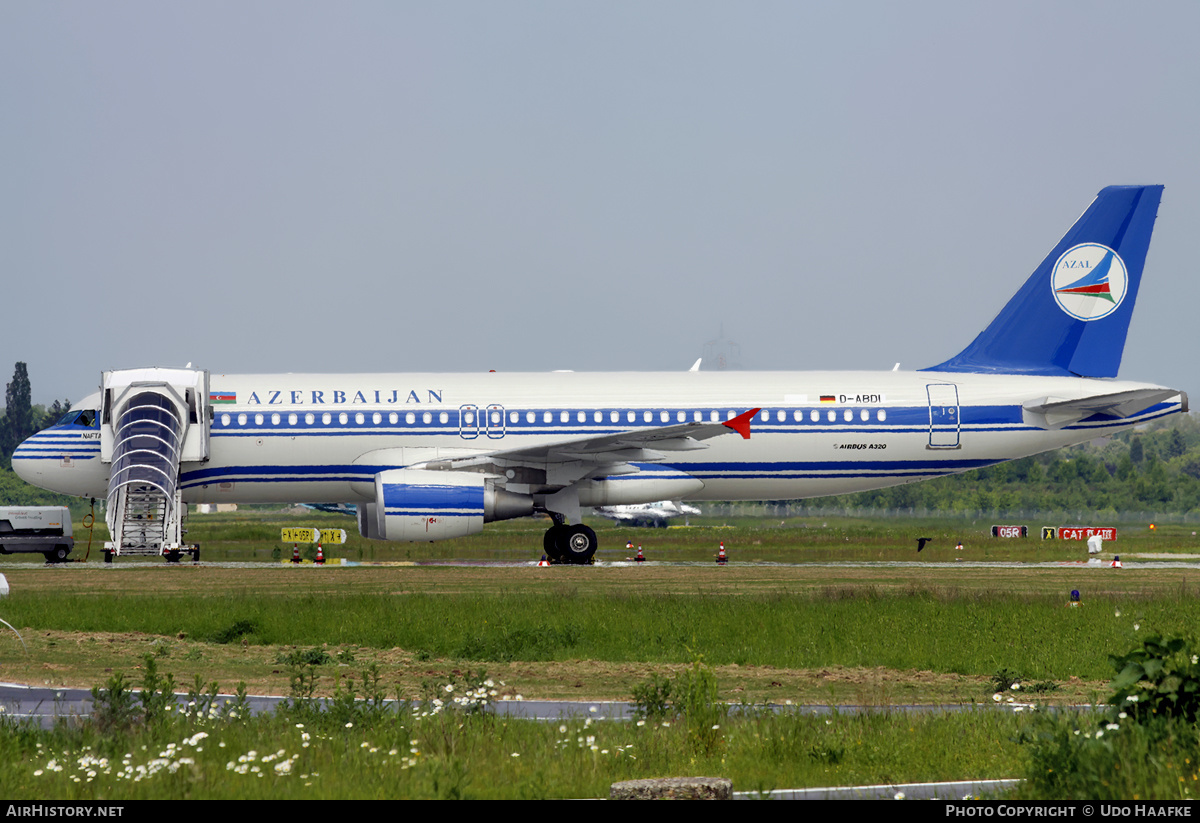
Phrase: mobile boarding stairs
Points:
(154, 423)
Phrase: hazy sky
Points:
(463, 186)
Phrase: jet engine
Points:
(417, 505)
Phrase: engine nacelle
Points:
(648, 485)
(415, 505)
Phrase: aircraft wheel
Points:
(580, 545)
(552, 543)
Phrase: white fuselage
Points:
(323, 438)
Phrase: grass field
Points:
(254, 536)
(813, 630)
(929, 630)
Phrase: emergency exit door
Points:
(944, 423)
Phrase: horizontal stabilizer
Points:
(1055, 413)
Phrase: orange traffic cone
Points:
(320, 556)
(641, 558)
(295, 553)
(721, 558)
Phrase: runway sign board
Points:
(1010, 531)
(1084, 532)
(307, 535)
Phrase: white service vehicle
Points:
(44, 529)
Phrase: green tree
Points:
(1190, 465)
(18, 413)
(54, 413)
(1175, 446)
(1137, 451)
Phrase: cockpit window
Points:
(87, 418)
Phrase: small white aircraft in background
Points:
(435, 456)
(647, 514)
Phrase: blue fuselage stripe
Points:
(80, 443)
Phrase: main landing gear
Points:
(572, 545)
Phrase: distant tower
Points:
(722, 354)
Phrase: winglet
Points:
(741, 423)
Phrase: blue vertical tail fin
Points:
(1072, 314)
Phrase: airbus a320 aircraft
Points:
(433, 456)
(646, 514)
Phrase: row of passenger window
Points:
(494, 417)
(343, 418)
(647, 416)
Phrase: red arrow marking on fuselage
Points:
(741, 423)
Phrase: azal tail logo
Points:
(1089, 281)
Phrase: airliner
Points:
(428, 457)
(646, 514)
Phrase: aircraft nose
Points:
(22, 459)
(63, 461)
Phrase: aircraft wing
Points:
(609, 450)
(1055, 413)
(609, 447)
